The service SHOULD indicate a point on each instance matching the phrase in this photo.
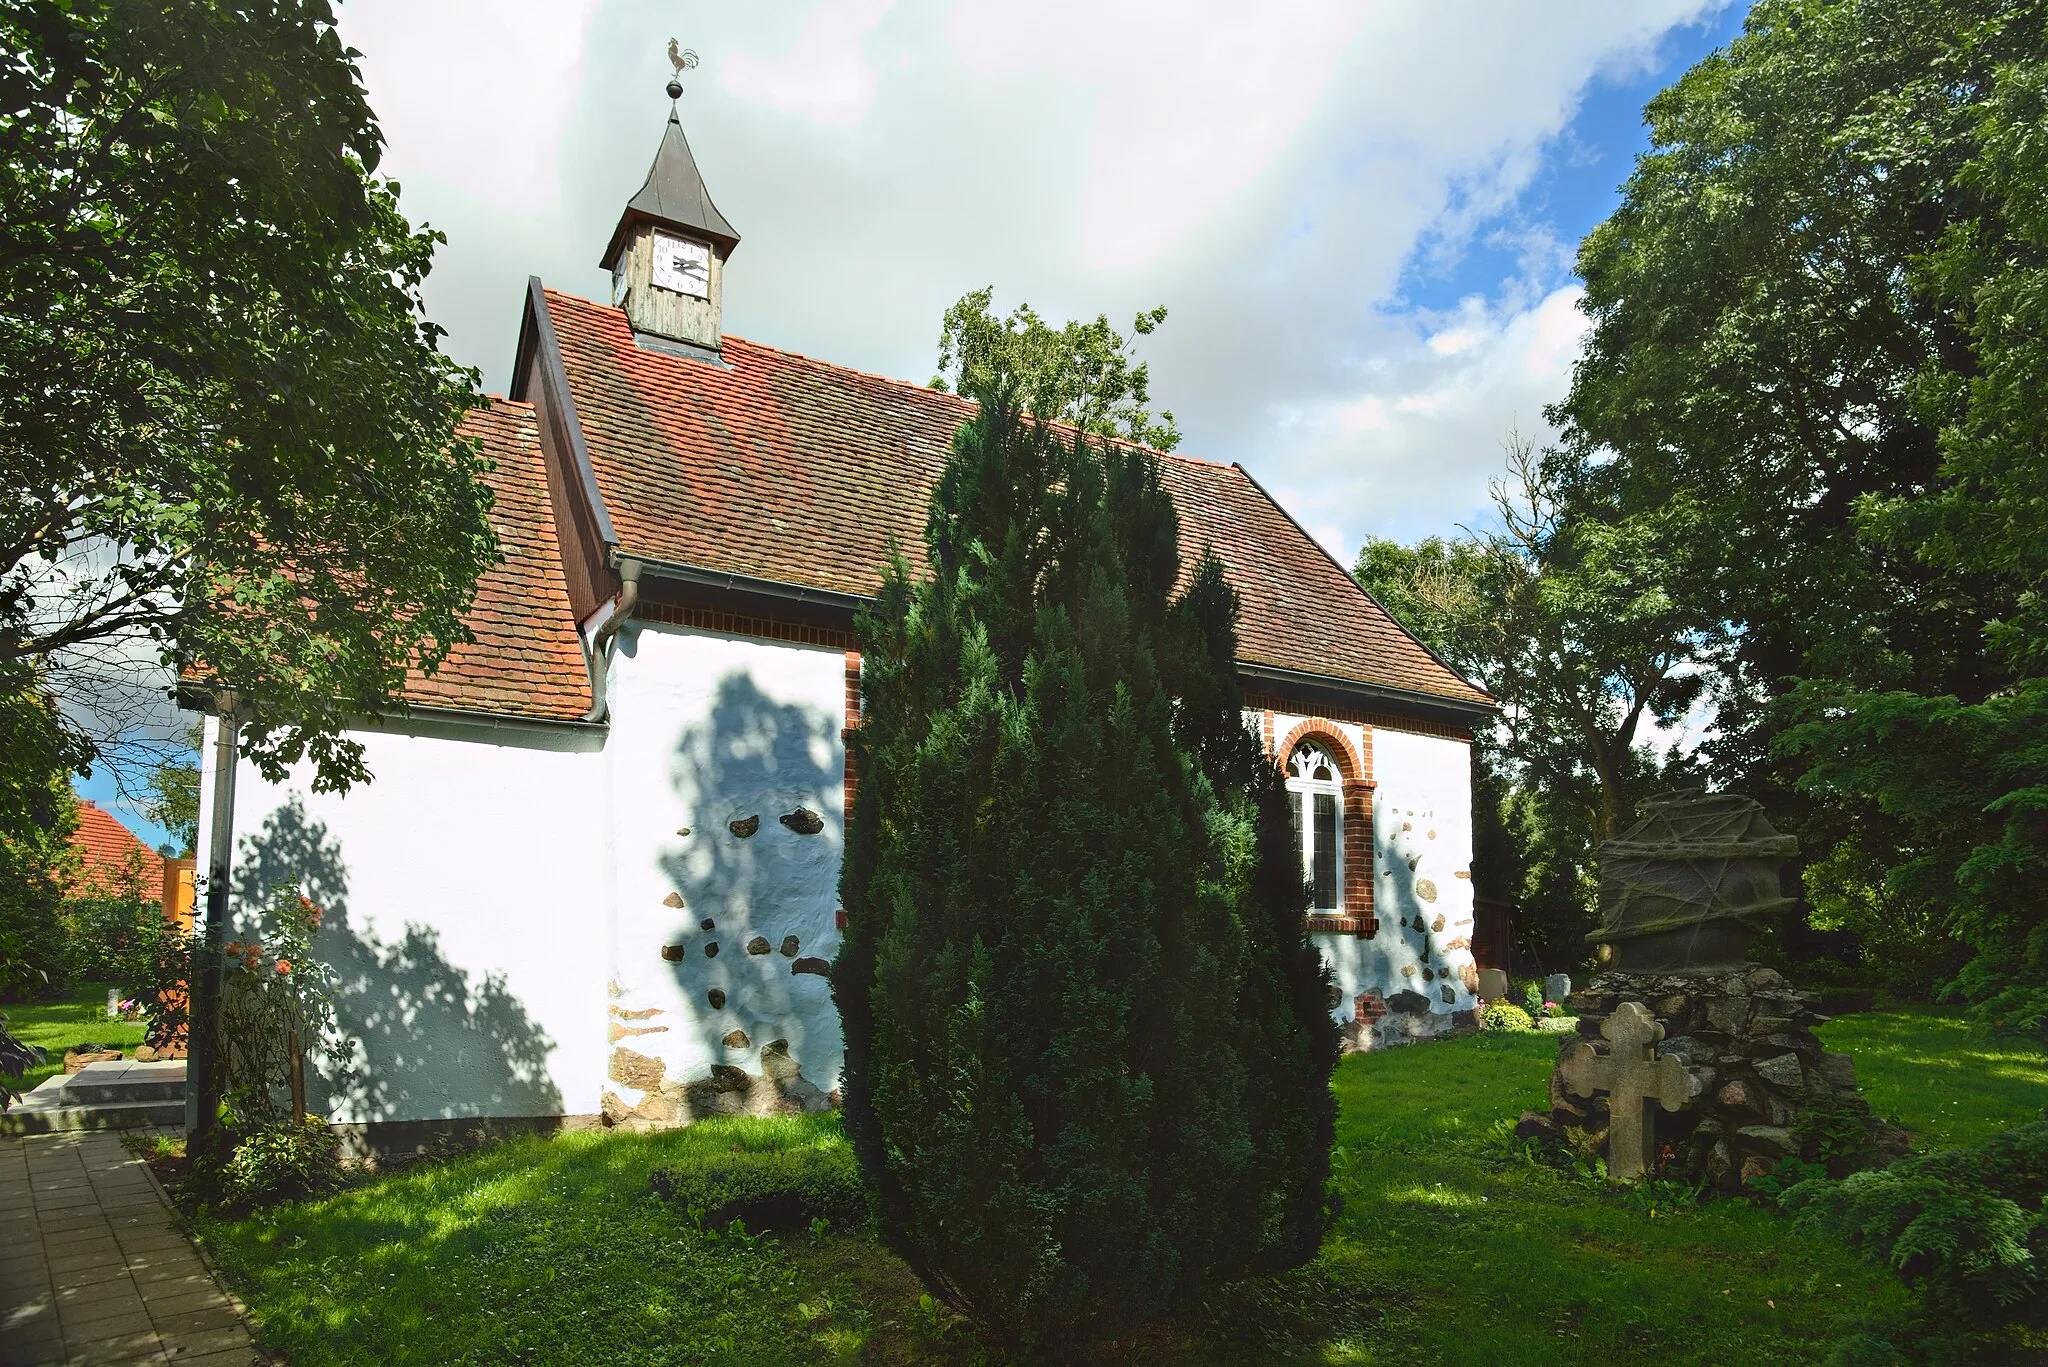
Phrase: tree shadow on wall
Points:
(429, 1042)
(754, 756)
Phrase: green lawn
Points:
(1451, 1249)
(58, 1025)
(1948, 1082)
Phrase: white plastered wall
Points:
(708, 729)
(463, 918)
(1422, 870)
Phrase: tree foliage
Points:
(225, 425)
(1816, 326)
(1081, 374)
(37, 816)
(1088, 1042)
(1572, 621)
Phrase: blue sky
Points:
(1360, 215)
(1576, 183)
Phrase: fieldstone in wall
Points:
(1426, 890)
(779, 1088)
(803, 821)
(674, 901)
(736, 1039)
(630, 1068)
(740, 735)
(1750, 1084)
(1782, 1072)
(789, 946)
(675, 954)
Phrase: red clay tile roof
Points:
(104, 848)
(784, 468)
(526, 660)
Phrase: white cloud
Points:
(823, 75)
(1414, 451)
(472, 94)
(1267, 172)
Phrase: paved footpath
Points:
(92, 1268)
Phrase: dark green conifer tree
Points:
(1088, 1043)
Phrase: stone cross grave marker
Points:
(1633, 1076)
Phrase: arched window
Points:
(1315, 788)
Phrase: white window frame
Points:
(1303, 785)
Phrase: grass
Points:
(60, 1025)
(1452, 1248)
(536, 1250)
(1950, 1083)
(1475, 1257)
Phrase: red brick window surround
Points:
(1333, 768)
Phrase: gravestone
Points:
(1682, 894)
(1687, 888)
(1633, 1076)
(1557, 987)
(1493, 984)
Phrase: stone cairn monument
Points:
(1683, 1043)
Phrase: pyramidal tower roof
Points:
(673, 196)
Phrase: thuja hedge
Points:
(1088, 1044)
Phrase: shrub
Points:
(16, 1059)
(106, 925)
(276, 1007)
(780, 1191)
(1088, 1042)
(280, 1161)
(1834, 1129)
(1966, 1226)
(1505, 1018)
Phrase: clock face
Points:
(682, 265)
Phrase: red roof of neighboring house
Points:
(783, 468)
(105, 847)
(526, 660)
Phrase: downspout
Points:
(202, 1026)
(629, 598)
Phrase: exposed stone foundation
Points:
(780, 1087)
(1746, 1040)
(1403, 1018)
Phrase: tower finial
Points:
(682, 59)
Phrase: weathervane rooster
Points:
(682, 59)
